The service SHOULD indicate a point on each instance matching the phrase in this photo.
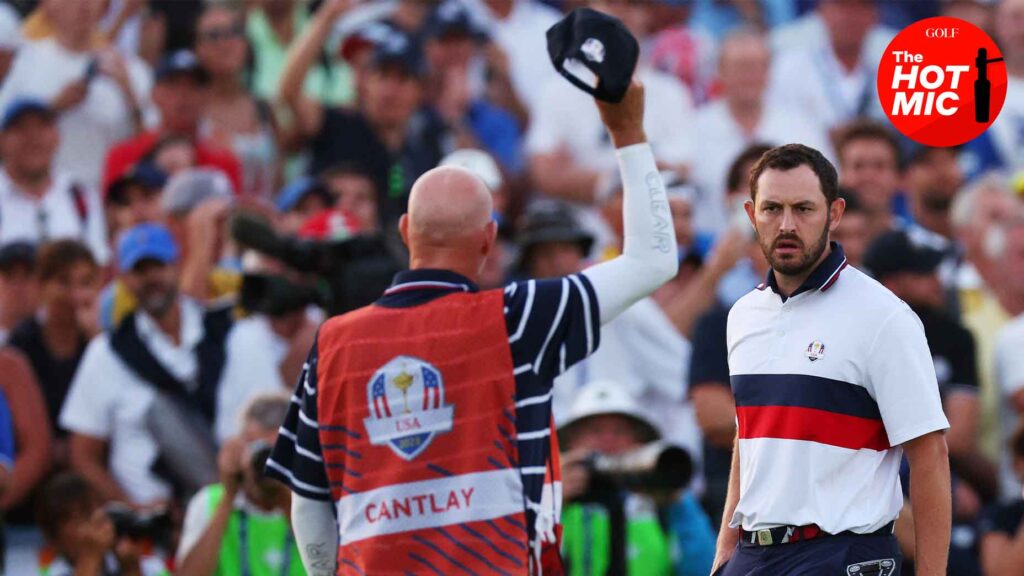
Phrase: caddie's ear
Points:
(490, 237)
(403, 229)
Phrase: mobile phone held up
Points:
(91, 70)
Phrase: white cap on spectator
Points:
(10, 29)
(605, 397)
(190, 188)
(478, 162)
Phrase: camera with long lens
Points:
(276, 295)
(353, 271)
(658, 470)
(151, 525)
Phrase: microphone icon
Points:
(982, 87)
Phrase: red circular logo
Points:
(942, 81)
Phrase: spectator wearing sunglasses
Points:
(233, 117)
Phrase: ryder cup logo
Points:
(406, 401)
(593, 49)
(815, 351)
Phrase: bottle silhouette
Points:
(982, 87)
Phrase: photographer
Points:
(240, 525)
(602, 519)
(82, 539)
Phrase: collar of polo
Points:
(430, 279)
(821, 279)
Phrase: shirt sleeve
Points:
(90, 398)
(964, 364)
(901, 379)
(296, 459)
(552, 324)
(197, 518)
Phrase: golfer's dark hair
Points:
(790, 156)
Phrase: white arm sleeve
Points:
(316, 534)
(649, 255)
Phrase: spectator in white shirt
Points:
(519, 28)
(152, 368)
(98, 94)
(739, 118)
(826, 67)
(37, 201)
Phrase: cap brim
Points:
(648, 433)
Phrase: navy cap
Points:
(550, 221)
(21, 107)
(594, 51)
(145, 174)
(17, 252)
(452, 18)
(180, 63)
(399, 50)
(894, 252)
(297, 190)
(145, 242)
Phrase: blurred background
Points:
(189, 187)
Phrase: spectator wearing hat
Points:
(18, 288)
(179, 95)
(134, 197)
(551, 241)
(39, 202)
(390, 133)
(98, 94)
(910, 272)
(165, 359)
(656, 538)
(233, 117)
(300, 200)
(455, 45)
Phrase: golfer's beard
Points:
(796, 266)
(158, 301)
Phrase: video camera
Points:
(353, 272)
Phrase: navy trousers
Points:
(840, 555)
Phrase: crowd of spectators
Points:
(189, 187)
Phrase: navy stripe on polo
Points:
(804, 391)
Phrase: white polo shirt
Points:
(828, 383)
(59, 213)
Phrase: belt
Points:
(790, 534)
